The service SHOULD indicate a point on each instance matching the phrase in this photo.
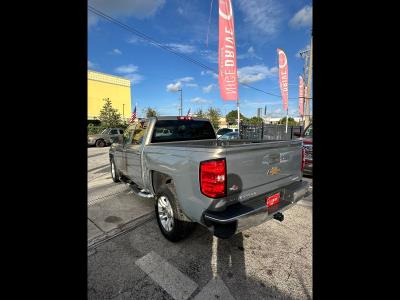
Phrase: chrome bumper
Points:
(253, 212)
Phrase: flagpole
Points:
(238, 114)
(287, 117)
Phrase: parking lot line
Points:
(214, 289)
(173, 281)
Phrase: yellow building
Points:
(117, 89)
(222, 122)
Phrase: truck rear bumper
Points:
(241, 216)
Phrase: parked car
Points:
(306, 136)
(193, 178)
(222, 131)
(106, 137)
(230, 136)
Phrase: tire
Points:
(100, 143)
(114, 171)
(166, 211)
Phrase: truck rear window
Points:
(182, 130)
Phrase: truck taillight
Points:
(213, 178)
(303, 158)
(185, 118)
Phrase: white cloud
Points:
(207, 89)
(191, 84)
(174, 87)
(130, 73)
(199, 100)
(180, 10)
(116, 51)
(182, 48)
(134, 78)
(255, 73)
(308, 47)
(186, 79)
(303, 18)
(264, 16)
(126, 69)
(251, 53)
(140, 9)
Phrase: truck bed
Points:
(253, 167)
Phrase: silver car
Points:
(230, 136)
(106, 137)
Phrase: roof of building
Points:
(108, 78)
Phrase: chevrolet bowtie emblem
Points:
(273, 171)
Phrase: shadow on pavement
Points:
(201, 257)
(103, 169)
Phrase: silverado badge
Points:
(273, 171)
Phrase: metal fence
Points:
(269, 132)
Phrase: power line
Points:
(158, 44)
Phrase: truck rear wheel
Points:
(166, 213)
(114, 171)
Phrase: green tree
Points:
(200, 114)
(291, 121)
(214, 114)
(231, 117)
(150, 112)
(255, 121)
(109, 116)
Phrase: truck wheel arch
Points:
(160, 179)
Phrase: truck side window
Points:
(114, 131)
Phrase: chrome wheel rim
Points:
(112, 170)
(165, 213)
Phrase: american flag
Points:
(133, 117)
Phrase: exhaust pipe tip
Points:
(279, 216)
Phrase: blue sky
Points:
(261, 26)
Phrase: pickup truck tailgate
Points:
(255, 168)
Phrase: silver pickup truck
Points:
(226, 186)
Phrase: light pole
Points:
(181, 107)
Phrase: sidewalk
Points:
(112, 207)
